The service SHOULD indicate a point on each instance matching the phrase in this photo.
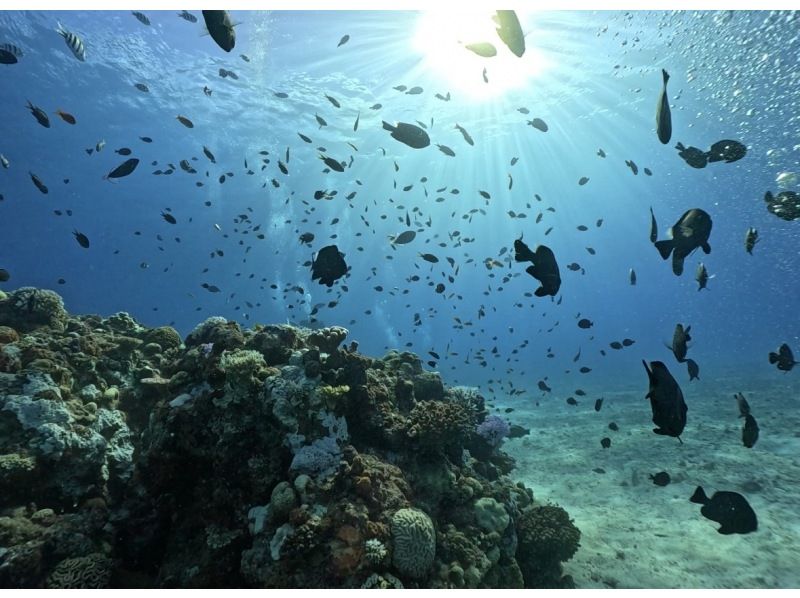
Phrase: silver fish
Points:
(74, 43)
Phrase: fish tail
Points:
(664, 247)
(699, 496)
(665, 76)
(387, 126)
(773, 357)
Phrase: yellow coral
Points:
(331, 395)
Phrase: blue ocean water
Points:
(593, 77)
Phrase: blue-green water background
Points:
(734, 75)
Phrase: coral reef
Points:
(268, 457)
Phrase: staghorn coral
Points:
(413, 542)
(91, 572)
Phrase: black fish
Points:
(744, 407)
(786, 205)
(613, 426)
(605, 442)
(783, 358)
(124, 169)
(220, 28)
(690, 232)
(187, 16)
(39, 115)
(467, 137)
(343, 41)
(543, 386)
(141, 17)
(679, 340)
(694, 157)
(7, 57)
(82, 239)
(411, 135)
(331, 163)
(169, 217)
(727, 150)
(585, 323)
(749, 431)
(544, 268)
(38, 182)
(598, 404)
(653, 226)
(666, 400)
(661, 478)
(328, 266)
(123, 151)
(693, 369)
(730, 509)
(750, 240)
(663, 117)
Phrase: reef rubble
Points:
(268, 457)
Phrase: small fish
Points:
(585, 323)
(538, 123)
(343, 41)
(142, 87)
(209, 155)
(66, 117)
(4, 275)
(3, 161)
(124, 169)
(187, 16)
(142, 18)
(601, 153)
(414, 91)
(702, 277)
(244, 57)
(333, 101)
(39, 115)
(169, 217)
(583, 180)
(38, 182)
(100, 145)
(693, 369)
(605, 442)
(74, 43)
(429, 257)
(661, 478)
(446, 150)
(616, 345)
(185, 122)
(485, 77)
(680, 338)
(632, 165)
(750, 240)
(146, 139)
(742, 404)
(598, 404)
(632, 275)
(482, 49)
(730, 509)
(783, 358)
(82, 239)
(321, 121)
(331, 163)
(663, 116)
(466, 135)
(666, 400)
(653, 226)
(355, 124)
(403, 238)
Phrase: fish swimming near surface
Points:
(74, 43)
(666, 400)
(730, 509)
(702, 277)
(749, 431)
(404, 237)
(691, 231)
(750, 240)
(328, 266)
(693, 369)
(544, 268)
(124, 169)
(680, 338)
(693, 156)
(220, 28)
(509, 30)
(663, 116)
(187, 16)
(482, 49)
(726, 150)
(465, 135)
(783, 358)
(411, 135)
(141, 17)
(786, 205)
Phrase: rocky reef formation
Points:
(270, 457)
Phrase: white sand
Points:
(638, 535)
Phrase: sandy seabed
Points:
(639, 535)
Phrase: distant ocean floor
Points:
(639, 535)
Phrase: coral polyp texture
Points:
(268, 457)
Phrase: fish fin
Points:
(679, 439)
(387, 126)
(773, 357)
(540, 292)
(699, 496)
(706, 248)
(665, 76)
(664, 247)
(677, 264)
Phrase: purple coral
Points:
(493, 429)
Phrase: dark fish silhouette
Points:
(783, 358)
(411, 135)
(605, 442)
(693, 369)
(82, 239)
(328, 266)
(124, 169)
(38, 182)
(726, 150)
(4, 275)
(730, 509)
(680, 338)
(693, 156)
(690, 232)
(544, 268)
(661, 478)
(750, 240)
(220, 28)
(598, 404)
(666, 400)
(744, 407)
(510, 31)
(702, 277)
(749, 431)
(786, 205)
(663, 116)
(39, 115)
(653, 226)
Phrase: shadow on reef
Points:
(271, 457)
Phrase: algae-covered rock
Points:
(164, 336)
(547, 537)
(413, 541)
(491, 515)
(28, 308)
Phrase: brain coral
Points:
(414, 542)
(87, 572)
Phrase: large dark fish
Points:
(411, 135)
(749, 431)
(786, 205)
(726, 150)
(783, 358)
(693, 156)
(730, 509)
(663, 116)
(510, 31)
(328, 266)
(689, 232)
(666, 400)
(220, 28)
(544, 268)
(124, 169)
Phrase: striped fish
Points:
(73, 42)
(11, 48)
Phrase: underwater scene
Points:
(399, 299)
